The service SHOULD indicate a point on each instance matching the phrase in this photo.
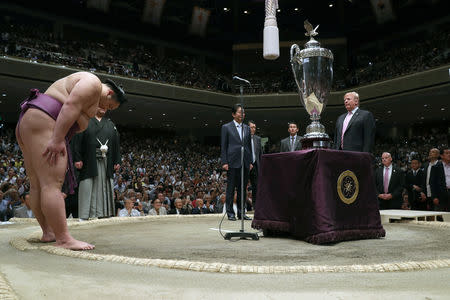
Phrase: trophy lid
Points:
(312, 47)
(312, 43)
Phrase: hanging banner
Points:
(153, 11)
(200, 18)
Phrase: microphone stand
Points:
(242, 234)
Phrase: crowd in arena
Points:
(398, 59)
(402, 58)
(167, 175)
(172, 175)
(37, 43)
(126, 58)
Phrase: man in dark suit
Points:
(178, 209)
(440, 182)
(199, 209)
(389, 182)
(256, 157)
(234, 135)
(414, 184)
(433, 159)
(292, 142)
(355, 130)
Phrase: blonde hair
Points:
(355, 95)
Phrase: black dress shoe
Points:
(232, 218)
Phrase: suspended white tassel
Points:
(271, 42)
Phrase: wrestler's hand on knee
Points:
(53, 150)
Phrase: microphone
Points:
(271, 48)
(241, 79)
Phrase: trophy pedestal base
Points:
(314, 143)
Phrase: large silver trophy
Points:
(313, 73)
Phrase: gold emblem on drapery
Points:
(348, 187)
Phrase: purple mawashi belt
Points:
(52, 107)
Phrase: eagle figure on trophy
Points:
(310, 31)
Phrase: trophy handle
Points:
(295, 53)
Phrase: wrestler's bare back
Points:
(61, 89)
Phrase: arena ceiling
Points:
(241, 21)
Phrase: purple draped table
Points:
(318, 195)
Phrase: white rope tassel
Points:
(271, 49)
(271, 10)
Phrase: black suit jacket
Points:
(360, 132)
(410, 180)
(183, 211)
(218, 208)
(200, 211)
(438, 184)
(424, 182)
(231, 146)
(285, 145)
(396, 184)
(258, 148)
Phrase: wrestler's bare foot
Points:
(74, 244)
(48, 237)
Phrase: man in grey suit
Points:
(256, 157)
(234, 135)
(292, 142)
(24, 211)
(355, 130)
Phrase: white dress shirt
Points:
(253, 150)
(292, 143)
(431, 164)
(447, 174)
(238, 128)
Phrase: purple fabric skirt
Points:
(52, 107)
